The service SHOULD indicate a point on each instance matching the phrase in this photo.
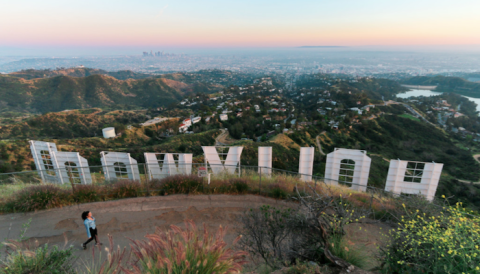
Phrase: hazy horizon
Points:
(126, 27)
(72, 51)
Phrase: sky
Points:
(120, 24)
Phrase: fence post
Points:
(146, 178)
(260, 185)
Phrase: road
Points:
(416, 114)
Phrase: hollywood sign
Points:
(347, 166)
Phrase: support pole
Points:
(260, 185)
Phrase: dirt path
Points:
(318, 143)
(477, 157)
(222, 139)
(132, 218)
(385, 159)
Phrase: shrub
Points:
(38, 198)
(41, 260)
(282, 236)
(126, 189)
(218, 186)
(353, 255)
(240, 185)
(176, 184)
(447, 243)
(269, 233)
(277, 191)
(85, 194)
(304, 268)
(117, 260)
(185, 251)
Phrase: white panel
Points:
(50, 164)
(427, 186)
(128, 171)
(233, 159)
(265, 159)
(360, 172)
(306, 163)
(211, 156)
(185, 163)
(46, 164)
(231, 162)
(154, 170)
(77, 170)
(167, 165)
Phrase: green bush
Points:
(85, 194)
(447, 243)
(177, 184)
(40, 261)
(240, 185)
(37, 198)
(186, 251)
(126, 189)
(277, 191)
(353, 255)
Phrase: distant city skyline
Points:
(163, 25)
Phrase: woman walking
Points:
(89, 222)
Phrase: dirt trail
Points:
(222, 139)
(477, 157)
(132, 218)
(318, 143)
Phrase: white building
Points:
(197, 119)
(187, 122)
(223, 117)
(182, 128)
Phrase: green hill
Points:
(447, 84)
(71, 124)
(59, 93)
(29, 74)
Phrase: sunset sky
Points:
(246, 23)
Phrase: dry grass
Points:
(279, 185)
(285, 141)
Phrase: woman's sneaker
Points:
(98, 244)
(84, 246)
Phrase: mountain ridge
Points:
(40, 95)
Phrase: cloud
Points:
(162, 10)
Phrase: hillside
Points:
(71, 124)
(373, 88)
(447, 84)
(66, 92)
(77, 72)
(389, 137)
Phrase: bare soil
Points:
(134, 218)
